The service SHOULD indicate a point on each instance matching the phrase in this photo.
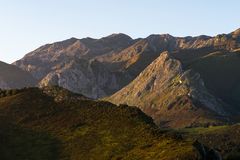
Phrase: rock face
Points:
(87, 77)
(100, 67)
(172, 96)
(13, 77)
(72, 65)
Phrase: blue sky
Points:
(28, 24)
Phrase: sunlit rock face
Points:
(169, 94)
(86, 78)
(74, 64)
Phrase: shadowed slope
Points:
(220, 72)
(13, 77)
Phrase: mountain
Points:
(172, 96)
(158, 74)
(13, 77)
(71, 64)
(55, 124)
(100, 67)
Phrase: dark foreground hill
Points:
(53, 123)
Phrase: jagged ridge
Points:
(115, 60)
(172, 96)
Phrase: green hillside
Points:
(36, 126)
(225, 139)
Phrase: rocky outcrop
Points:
(60, 94)
(172, 96)
(83, 77)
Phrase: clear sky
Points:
(28, 24)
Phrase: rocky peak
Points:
(115, 40)
(166, 63)
(163, 87)
(119, 36)
(160, 38)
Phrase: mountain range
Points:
(179, 81)
(100, 67)
(159, 97)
